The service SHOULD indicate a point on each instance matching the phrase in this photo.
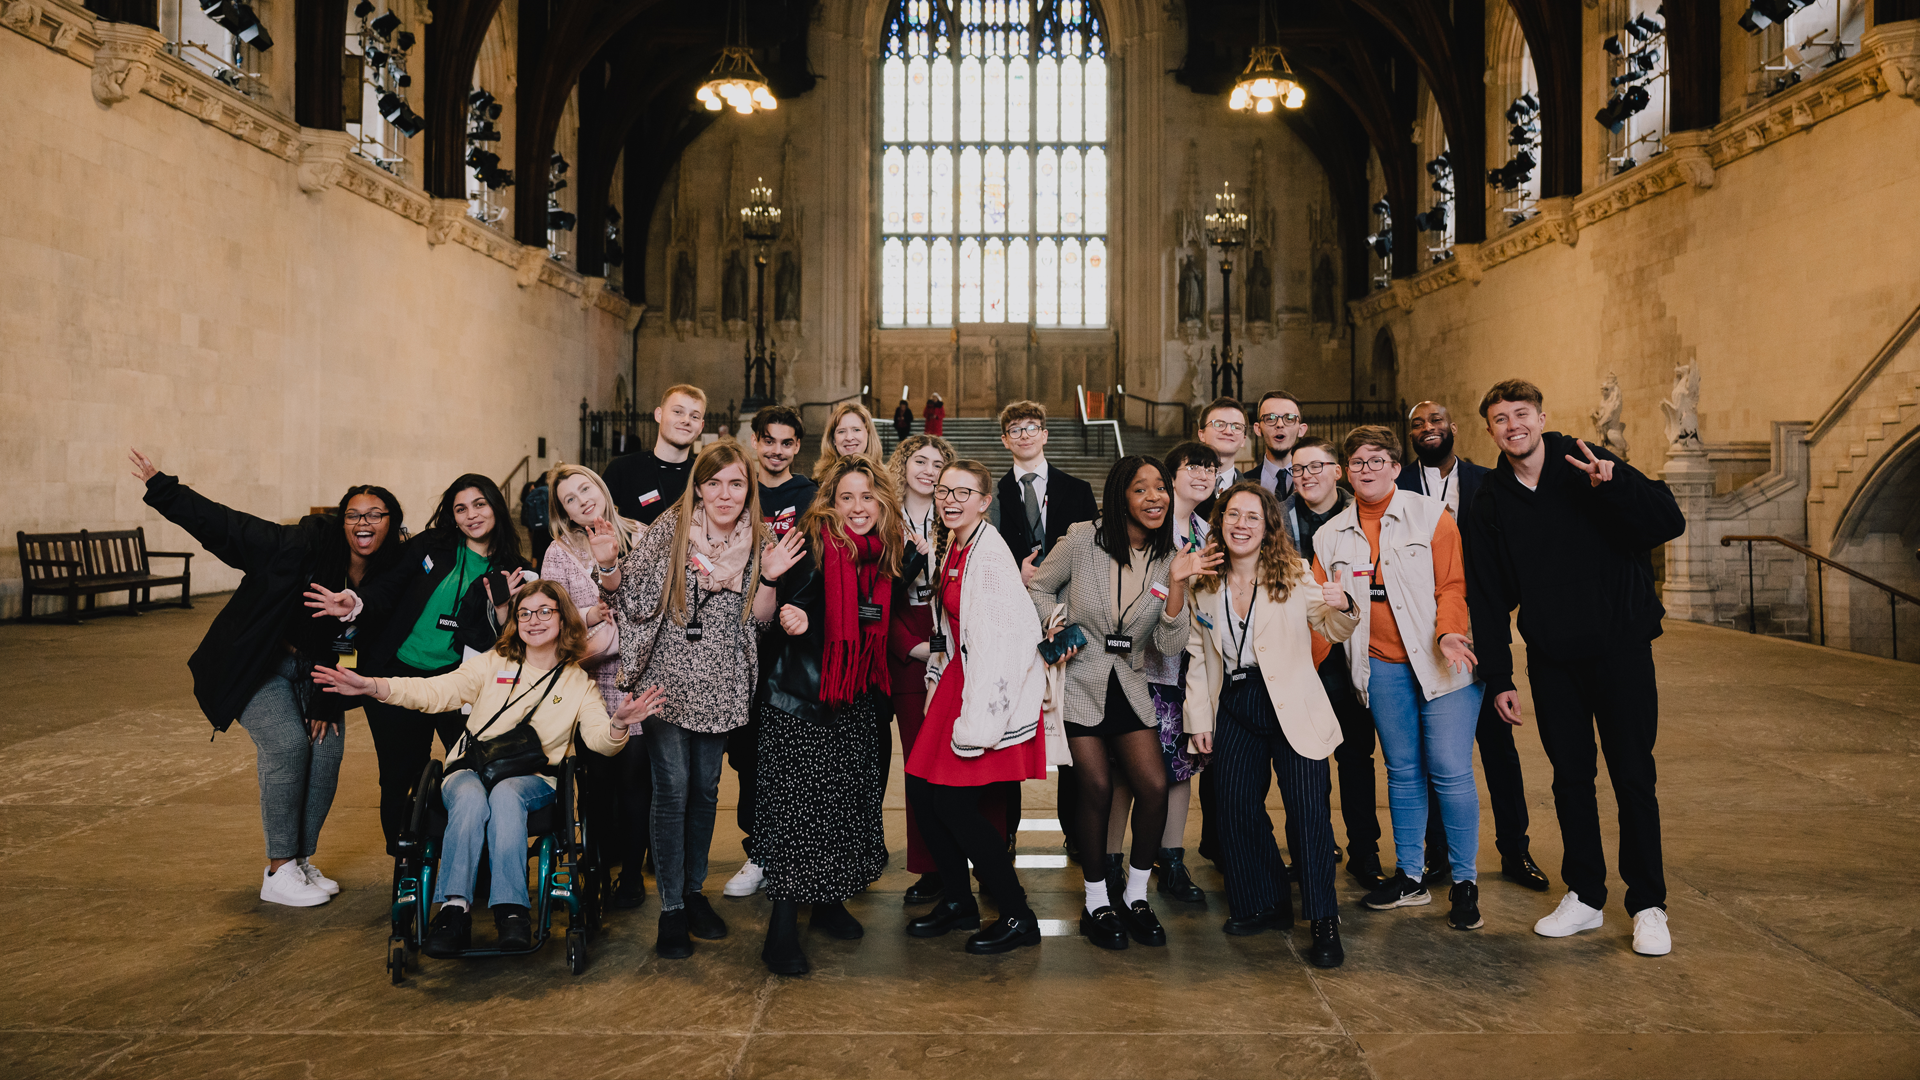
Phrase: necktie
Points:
(1282, 482)
(1033, 507)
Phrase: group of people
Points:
(1200, 624)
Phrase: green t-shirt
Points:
(429, 647)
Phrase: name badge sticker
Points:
(1203, 620)
(1157, 590)
(650, 497)
(426, 564)
(705, 564)
(937, 643)
(870, 613)
(505, 677)
(447, 622)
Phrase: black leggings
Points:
(403, 742)
(1137, 752)
(620, 802)
(955, 831)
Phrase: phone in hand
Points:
(1070, 638)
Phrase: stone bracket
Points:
(123, 60)
(1896, 47)
(323, 157)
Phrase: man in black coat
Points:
(1454, 480)
(1037, 501)
(1561, 531)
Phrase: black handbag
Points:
(517, 751)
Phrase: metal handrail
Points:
(1080, 395)
(1820, 563)
(1153, 410)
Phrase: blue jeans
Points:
(686, 789)
(1427, 741)
(499, 818)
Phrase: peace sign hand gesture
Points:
(1598, 471)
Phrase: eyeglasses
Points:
(955, 494)
(1226, 426)
(1279, 418)
(1233, 517)
(371, 517)
(1198, 469)
(1312, 468)
(1025, 431)
(1370, 464)
(539, 614)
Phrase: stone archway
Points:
(1381, 381)
(1878, 536)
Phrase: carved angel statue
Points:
(1682, 407)
(1608, 429)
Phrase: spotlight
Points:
(1381, 243)
(404, 40)
(1532, 103)
(1642, 26)
(1761, 14)
(1613, 114)
(484, 133)
(1626, 77)
(403, 79)
(1434, 220)
(363, 9)
(1637, 98)
(613, 217)
(1785, 82)
(410, 123)
(558, 164)
(1382, 208)
(479, 99)
(385, 25)
(1521, 135)
(1612, 44)
(559, 220)
(376, 58)
(391, 105)
(239, 20)
(1646, 58)
(483, 159)
(555, 186)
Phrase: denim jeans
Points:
(1426, 741)
(297, 775)
(686, 789)
(499, 818)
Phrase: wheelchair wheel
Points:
(397, 960)
(576, 950)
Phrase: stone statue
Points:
(1325, 288)
(786, 289)
(1259, 290)
(1193, 292)
(1682, 407)
(788, 381)
(733, 290)
(1197, 371)
(681, 303)
(1608, 429)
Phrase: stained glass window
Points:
(993, 185)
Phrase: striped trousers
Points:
(1248, 746)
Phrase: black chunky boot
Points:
(1175, 884)
(835, 920)
(1325, 952)
(782, 952)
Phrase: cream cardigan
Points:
(1283, 647)
(484, 683)
(999, 646)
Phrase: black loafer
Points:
(702, 921)
(673, 943)
(1325, 952)
(946, 915)
(513, 925)
(631, 892)
(450, 932)
(1259, 922)
(1143, 924)
(1005, 935)
(1103, 928)
(834, 920)
(924, 891)
(1367, 872)
(1524, 871)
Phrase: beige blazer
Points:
(1283, 647)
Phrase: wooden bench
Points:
(88, 563)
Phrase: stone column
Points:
(1688, 593)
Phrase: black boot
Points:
(1175, 884)
(1116, 879)
(946, 915)
(631, 892)
(924, 891)
(673, 942)
(450, 932)
(1325, 952)
(782, 952)
(835, 920)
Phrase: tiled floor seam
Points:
(761, 999)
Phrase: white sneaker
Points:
(315, 877)
(1650, 934)
(289, 886)
(746, 882)
(1569, 918)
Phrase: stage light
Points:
(1381, 243)
(404, 40)
(363, 9)
(1761, 14)
(385, 25)
(1434, 220)
(558, 164)
(559, 220)
(1612, 45)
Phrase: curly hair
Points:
(821, 521)
(1279, 565)
(571, 647)
(909, 446)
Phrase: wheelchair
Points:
(569, 873)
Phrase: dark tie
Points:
(1033, 508)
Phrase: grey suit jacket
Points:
(1080, 575)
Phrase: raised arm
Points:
(239, 539)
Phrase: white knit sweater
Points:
(999, 646)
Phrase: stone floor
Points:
(129, 863)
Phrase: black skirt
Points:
(817, 829)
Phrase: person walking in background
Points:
(305, 591)
(1454, 480)
(1562, 532)
(645, 483)
(849, 431)
(902, 420)
(934, 415)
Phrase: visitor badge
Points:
(504, 677)
(705, 564)
(870, 613)
(1360, 570)
(937, 643)
(954, 573)
(1203, 620)
(650, 497)
(1119, 644)
(1157, 590)
(447, 622)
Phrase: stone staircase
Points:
(979, 438)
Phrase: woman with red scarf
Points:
(817, 825)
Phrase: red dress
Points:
(933, 759)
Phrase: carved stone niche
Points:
(123, 61)
(323, 157)
(1897, 47)
(444, 220)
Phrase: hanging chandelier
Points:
(735, 82)
(1267, 80)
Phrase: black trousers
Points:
(620, 800)
(956, 831)
(403, 744)
(743, 753)
(1506, 791)
(1248, 747)
(1358, 808)
(1615, 692)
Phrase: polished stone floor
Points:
(129, 870)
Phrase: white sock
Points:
(1097, 895)
(1136, 884)
(455, 902)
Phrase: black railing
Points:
(607, 433)
(1820, 563)
(1152, 409)
(1332, 420)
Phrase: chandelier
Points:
(735, 82)
(1267, 79)
(1227, 226)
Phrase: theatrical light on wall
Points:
(239, 20)
(397, 113)
(1381, 242)
(1761, 14)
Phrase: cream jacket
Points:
(1006, 680)
(1283, 646)
(483, 682)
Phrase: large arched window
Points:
(993, 163)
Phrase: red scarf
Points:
(856, 655)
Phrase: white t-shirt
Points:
(1445, 488)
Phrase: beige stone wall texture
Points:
(167, 286)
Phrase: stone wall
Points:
(166, 283)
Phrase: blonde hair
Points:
(717, 456)
(569, 648)
(684, 390)
(829, 456)
(821, 523)
(1279, 563)
(625, 529)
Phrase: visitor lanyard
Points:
(1444, 481)
(1240, 644)
(923, 532)
(1119, 586)
(955, 552)
(1195, 541)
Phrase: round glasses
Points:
(955, 494)
(538, 614)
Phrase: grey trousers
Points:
(297, 776)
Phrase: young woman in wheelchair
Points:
(532, 677)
